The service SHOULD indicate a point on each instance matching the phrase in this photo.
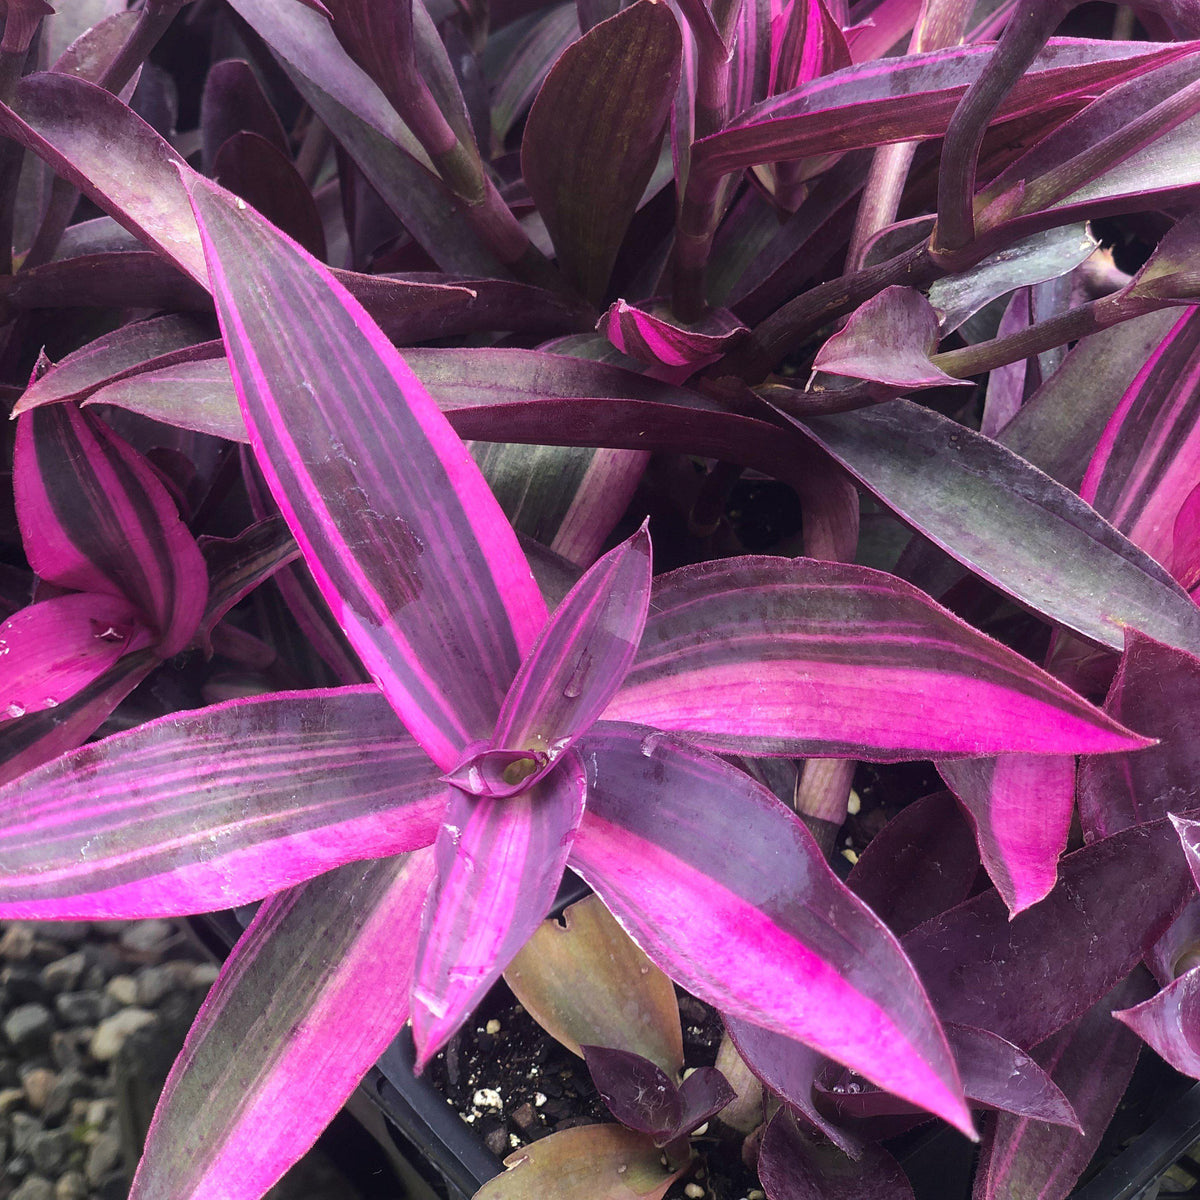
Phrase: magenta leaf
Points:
(499, 864)
(412, 552)
(1026, 977)
(671, 351)
(592, 137)
(94, 516)
(316, 989)
(792, 1166)
(1005, 520)
(53, 649)
(1185, 556)
(888, 340)
(1169, 1022)
(1020, 806)
(1091, 1061)
(922, 862)
(272, 790)
(786, 674)
(637, 1092)
(1157, 688)
(811, 961)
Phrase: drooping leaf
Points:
(587, 982)
(499, 864)
(271, 791)
(817, 965)
(95, 517)
(1158, 689)
(316, 988)
(592, 136)
(786, 674)
(1009, 523)
(1091, 1061)
(414, 556)
(1027, 977)
(672, 352)
(1021, 806)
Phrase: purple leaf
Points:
(1189, 836)
(272, 790)
(671, 351)
(591, 140)
(1091, 1062)
(914, 96)
(1185, 555)
(233, 101)
(888, 340)
(809, 44)
(1158, 689)
(705, 1092)
(1026, 977)
(107, 279)
(1142, 471)
(787, 673)
(94, 516)
(1020, 806)
(316, 989)
(922, 862)
(1009, 523)
(637, 1092)
(1178, 950)
(810, 961)
(528, 65)
(1006, 384)
(1169, 1022)
(499, 864)
(792, 1166)
(412, 552)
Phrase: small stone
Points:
(147, 937)
(28, 1028)
(16, 944)
(693, 1191)
(68, 1047)
(99, 1113)
(153, 983)
(539, 1099)
(35, 1187)
(71, 1186)
(63, 974)
(71, 932)
(203, 975)
(24, 1129)
(122, 989)
(488, 1098)
(110, 1034)
(525, 1118)
(38, 1082)
(103, 1157)
(22, 983)
(492, 1027)
(78, 1008)
(50, 1151)
(70, 1086)
(10, 1098)
(497, 1142)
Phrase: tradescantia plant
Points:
(727, 233)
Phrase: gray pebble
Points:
(37, 1083)
(68, 1047)
(103, 1157)
(71, 932)
(50, 1151)
(71, 1186)
(16, 943)
(64, 974)
(122, 989)
(71, 1085)
(34, 1188)
(24, 1129)
(78, 1008)
(153, 983)
(147, 937)
(28, 1028)
(111, 1033)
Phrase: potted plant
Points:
(737, 235)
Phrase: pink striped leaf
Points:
(499, 864)
(1169, 1022)
(592, 137)
(212, 807)
(1185, 556)
(53, 649)
(672, 352)
(1005, 520)
(94, 516)
(888, 340)
(1021, 807)
(1157, 688)
(914, 96)
(315, 990)
(803, 957)
(1028, 976)
(1144, 466)
(806, 43)
(414, 556)
(1091, 1061)
(774, 656)
(570, 675)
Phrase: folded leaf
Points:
(812, 961)
(1021, 807)
(316, 989)
(774, 656)
(1169, 1022)
(671, 351)
(499, 864)
(1158, 689)
(236, 566)
(213, 807)
(592, 136)
(53, 649)
(1009, 523)
(412, 552)
(94, 516)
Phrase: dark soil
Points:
(513, 1084)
